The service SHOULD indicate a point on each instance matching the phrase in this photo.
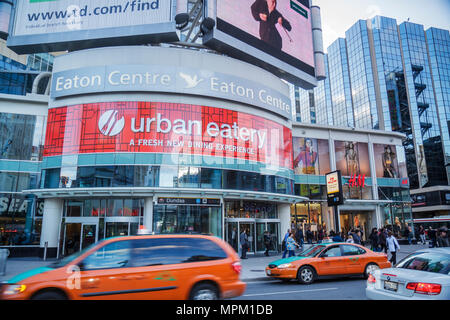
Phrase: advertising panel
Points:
(279, 28)
(334, 188)
(58, 23)
(167, 128)
(386, 162)
(311, 156)
(5, 14)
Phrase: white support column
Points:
(148, 214)
(51, 222)
(284, 214)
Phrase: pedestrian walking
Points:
(267, 241)
(382, 240)
(320, 236)
(356, 237)
(336, 237)
(244, 244)
(393, 247)
(408, 234)
(309, 235)
(422, 234)
(432, 233)
(284, 243)
(373, 238)
(291, 244)
(442, 240)
(299, 237)
(349, 238)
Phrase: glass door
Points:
(115, 229)
(273, 228)
(260, 229)
(250, 227)
(72, 236)
(232, 235)
(89, 235)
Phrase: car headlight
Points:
(284, 266)
(8, 289)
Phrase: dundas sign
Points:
(146, 78)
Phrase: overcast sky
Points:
(339, 15)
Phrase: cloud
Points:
(372, 11)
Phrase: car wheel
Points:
(370, 268)
(49, 295)
(306, 275)
(204, 291)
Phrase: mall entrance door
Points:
(255, 232)
(78, 235)
(361, 219)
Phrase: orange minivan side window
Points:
(163, 251)
(113, 255)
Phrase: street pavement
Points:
(253, 268)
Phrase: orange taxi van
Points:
(153, 267)
(328, 260)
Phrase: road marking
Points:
(261, 281)
(287, 292)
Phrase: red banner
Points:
(169, 128)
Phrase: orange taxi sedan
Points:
(328, 259)
(174, 267)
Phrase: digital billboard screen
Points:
(279, 28)
(168, 128)
(44, 25)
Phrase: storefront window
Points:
(250, 209)
(100, 207)
(187, 219)
(398, 217)
(159, 176)
(20, 221)
(21, 136)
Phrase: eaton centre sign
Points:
(156, 78)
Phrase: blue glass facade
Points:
(17, 78)
(361, 76)
(322, 100)
(439, 53)
(393, 77)
(422, 105)
(341, 93)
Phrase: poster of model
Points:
(274, 26)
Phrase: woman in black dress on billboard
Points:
(268, 16)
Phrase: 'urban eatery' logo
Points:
(109, 124)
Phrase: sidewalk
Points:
(253, 268)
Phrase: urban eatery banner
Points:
(168, 128)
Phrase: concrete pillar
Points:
(148, 214)
(51, 223)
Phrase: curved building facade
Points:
(166, 139)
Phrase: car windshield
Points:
(311, 252)
(66, 260)
(426, 261)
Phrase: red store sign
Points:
(170, 128)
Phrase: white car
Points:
(423, 275)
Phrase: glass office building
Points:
(391, 76)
